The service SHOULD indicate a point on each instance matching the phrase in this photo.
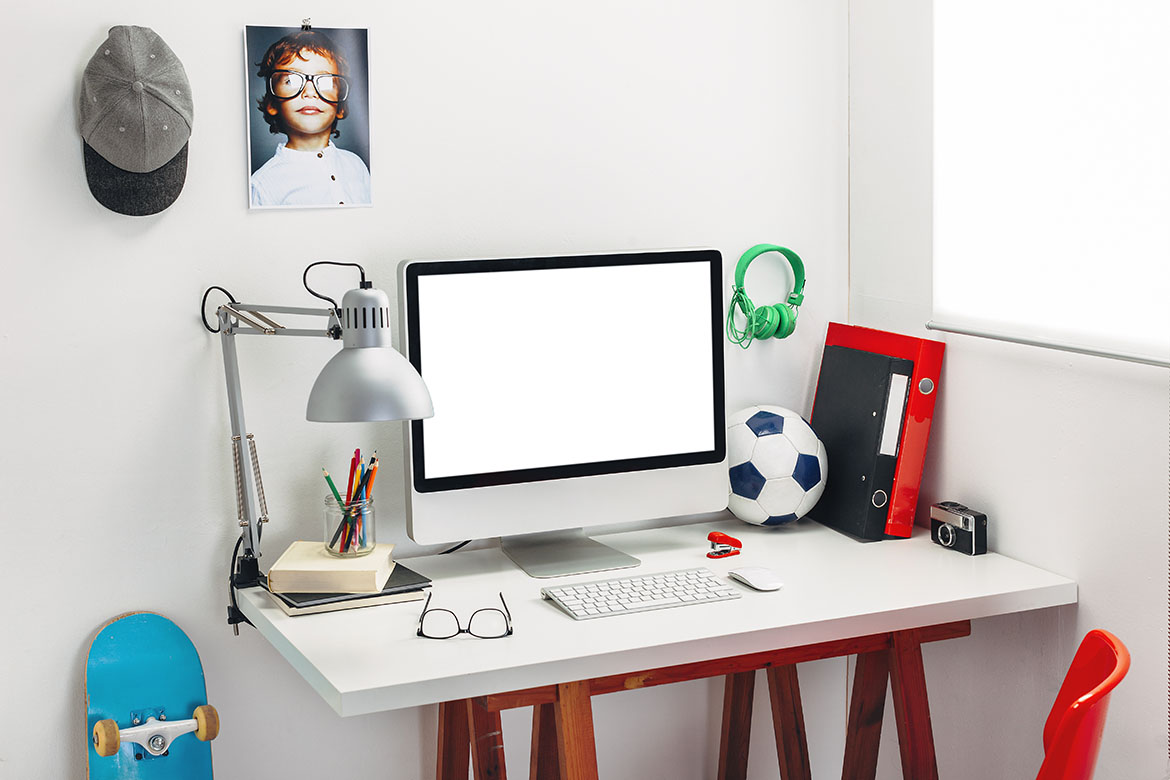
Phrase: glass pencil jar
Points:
(349, 531)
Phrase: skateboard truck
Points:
(154, 734)
(722, 545)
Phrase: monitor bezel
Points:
(416, 269)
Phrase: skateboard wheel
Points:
(207, 723)
(106, 739)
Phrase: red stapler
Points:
(722, 545)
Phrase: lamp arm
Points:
(389, 388)
(243, 319)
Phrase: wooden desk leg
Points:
(577, 753)
(863, 732)
(544, 764)
(738, 690)
(911, 708)
(788, 722)
(487, 741)
(454, 741)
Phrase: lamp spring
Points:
(259, 481)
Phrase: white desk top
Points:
(369, 660)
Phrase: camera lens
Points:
(946, 535)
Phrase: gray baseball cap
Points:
(136, 117)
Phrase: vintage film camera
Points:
(959, 528)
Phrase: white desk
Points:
(369, 660)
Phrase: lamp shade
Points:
(368, 380)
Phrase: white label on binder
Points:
(895, 405)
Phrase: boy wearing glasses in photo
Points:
(306, 89)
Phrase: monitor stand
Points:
(559, 553)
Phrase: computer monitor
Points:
(569, 392)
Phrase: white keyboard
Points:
(640, 594)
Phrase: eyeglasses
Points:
(287, 84)
(489, 623)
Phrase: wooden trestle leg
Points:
(738, 690)
(911, 708)
(788, 723)
(545, 762)
(470, 736)
(863, 732)
(574, 718)
(454, 741)
(487, 741)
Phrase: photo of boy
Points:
(306, 81)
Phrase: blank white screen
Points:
(550, 367)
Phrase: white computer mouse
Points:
(757, 577)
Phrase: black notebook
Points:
(405, 584)
(858, 414)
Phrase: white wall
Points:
(1066, 454)
(510, 127)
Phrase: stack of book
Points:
(306, 579)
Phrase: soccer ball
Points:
(777, 465)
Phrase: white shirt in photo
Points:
(328, 177)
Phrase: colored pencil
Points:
(349, 482)
(369, 489)
(357, 478)
(340, 527)
(373, 473)
(345, 534)
(352, 514)
(340, 504)
(332, 487)
(357, 458)
(345, 521)
(361, 486)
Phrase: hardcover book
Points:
(404, 584)
(307, 567)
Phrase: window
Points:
(1052, 171)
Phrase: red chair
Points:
(1072, 733)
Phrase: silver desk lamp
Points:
(367, 381)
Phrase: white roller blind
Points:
(1052, 170)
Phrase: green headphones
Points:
(764, 322)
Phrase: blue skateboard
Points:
(144, 694)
